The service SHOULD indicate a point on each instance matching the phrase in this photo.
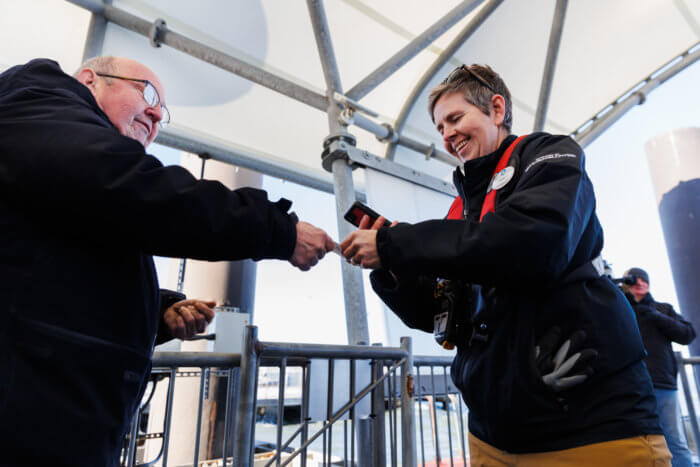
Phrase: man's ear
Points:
(88, 77)
(498, 109)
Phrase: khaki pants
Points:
(648, 450)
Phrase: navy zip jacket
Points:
(531, 261)
(660, 326)
(82, 209)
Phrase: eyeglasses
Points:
(150, 95)
(455, 73)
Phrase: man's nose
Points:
(155, 113)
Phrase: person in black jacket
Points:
(82, 211)
(660, 325)
(520, 250)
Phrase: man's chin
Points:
(138, 136)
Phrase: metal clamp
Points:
(642, 97)
(346, 102)
(391, 136)
(155, 34)
(336, 147)
(347, 116)
(430, 153)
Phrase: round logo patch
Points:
(502, 178)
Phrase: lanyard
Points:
(489, 205)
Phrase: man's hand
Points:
(360, 247)
(312, 245)
(189, 317)
(570, 365)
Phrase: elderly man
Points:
(82, 211)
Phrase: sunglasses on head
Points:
(456, 74)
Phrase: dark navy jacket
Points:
(531, 258)
(660, 326)
(82, 210)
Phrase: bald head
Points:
(122, 100)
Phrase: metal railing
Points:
(357, 407)
(689, 397)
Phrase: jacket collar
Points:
(47, 74)
(476, 174)
(647, 299)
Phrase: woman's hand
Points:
(360, 247)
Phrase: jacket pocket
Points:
(503, 388)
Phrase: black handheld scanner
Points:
(358, 210)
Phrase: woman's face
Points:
(467, 132)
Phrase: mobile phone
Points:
(358, 210)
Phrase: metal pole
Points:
(419, 396)
(593, 127)
(133, 434)
(329, 406)
(168, 415)
(408, 419)
(412, 49)
(365, 426)
(245, 422)
(185, 139)
(550, 64)
(306, 390)
(353, 372)
(379, 412)
(200, 407)
(436, 437)
(458, 398)
(340, 412)
(210, 55)
(386, 133)
(418, 89)
(688, 399)
(353, 288)
(362, 352)
(227, 414)
(392, 420)
(447, 412)
(158, 32)
(95, 39)
(280, 407)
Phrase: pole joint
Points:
(391, 135)
(158, 29)
(337, 147)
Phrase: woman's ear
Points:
(498, 109)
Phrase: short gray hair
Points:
(106, 64)
(463, 82)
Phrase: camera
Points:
(626, 280)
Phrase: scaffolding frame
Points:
(343, 110)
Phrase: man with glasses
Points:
(82, 211)
(549, 357)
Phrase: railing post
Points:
(365, 445)
(408, 421)
(245, 422)
(688, 399)
(378, 400)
